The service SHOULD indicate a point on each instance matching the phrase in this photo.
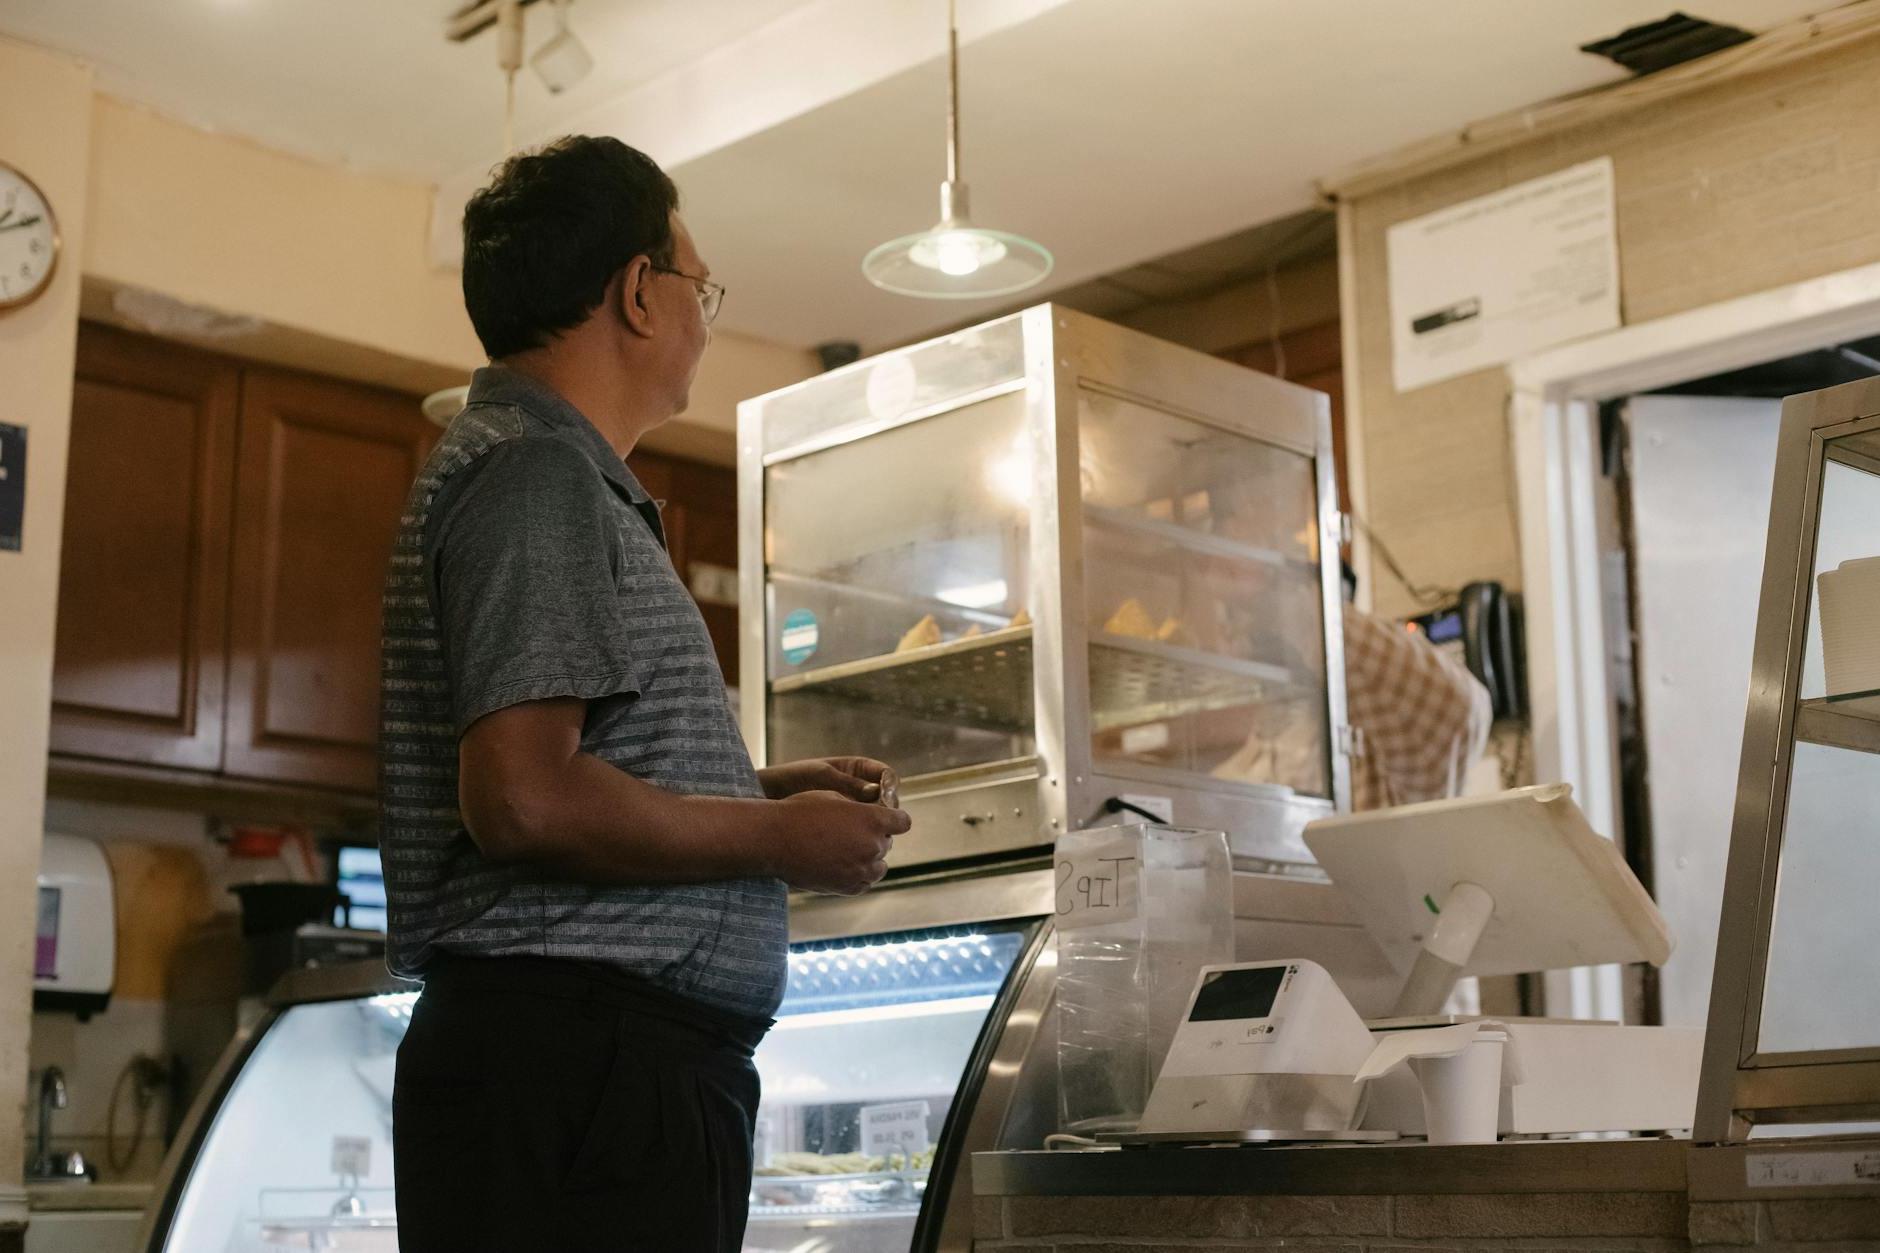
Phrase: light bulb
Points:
(956, 256)
(957, 253)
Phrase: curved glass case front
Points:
(867, 1060)
(874, 1047)
(298, 1155)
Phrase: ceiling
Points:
(802, 132)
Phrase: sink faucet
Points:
(46, 1163)
(51, 1096)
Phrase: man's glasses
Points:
(710, 294)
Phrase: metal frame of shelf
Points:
(1744, 1085)
(986, 681)
(1079, 680)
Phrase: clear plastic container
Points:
(1140, 909)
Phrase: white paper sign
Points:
(352, 1155)
(897, 1130)
(1812, 1170)
(1495, 278)
(1096, 883)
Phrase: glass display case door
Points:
(866, 1075)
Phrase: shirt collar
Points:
(496, 384)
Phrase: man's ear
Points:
(631, 298)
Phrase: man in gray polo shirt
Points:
(582, 864)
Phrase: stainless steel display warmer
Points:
(1044, 567)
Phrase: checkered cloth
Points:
(1421, 718)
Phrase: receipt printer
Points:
(1273, 1046)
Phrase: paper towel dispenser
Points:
(75, 939)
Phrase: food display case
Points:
(901, 1047)
(1048, 567)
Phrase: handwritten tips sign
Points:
(1097, 882)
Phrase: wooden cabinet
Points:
(321, 479)
(699, 509)
(140, 661)
(227, 528)
(226, 533)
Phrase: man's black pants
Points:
(547, 1106)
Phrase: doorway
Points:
(1692, 464)
(1562, 415)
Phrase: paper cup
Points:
(1462, 1094)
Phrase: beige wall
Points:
(45, 131)
(227, 224)
(1298, 297)
(1729, 189)
(333, 265)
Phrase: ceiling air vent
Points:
(1667, 42)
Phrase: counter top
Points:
(1340, 1169)
(68, 1197)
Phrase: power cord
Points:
(1117, 805)
(147, 1076)
(1422, 593)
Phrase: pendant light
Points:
(956, 260)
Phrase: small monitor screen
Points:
(363, 882)
(1226, 995)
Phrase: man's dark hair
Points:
(543, 240)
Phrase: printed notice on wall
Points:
(12, 486)
(1096, 881)
(1492, 279)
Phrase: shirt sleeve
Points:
(524, 556)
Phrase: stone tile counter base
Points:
(1457, 1210)
(1564, 1222)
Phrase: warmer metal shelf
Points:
(985, 681)
(1179, 536)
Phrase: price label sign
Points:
(1096, 883)
(896, 1130)
(352, 1155)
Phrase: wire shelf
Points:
(986, 681)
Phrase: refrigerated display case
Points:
(902, 1046)
(1044, 567)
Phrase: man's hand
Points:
(858, 778)
(829, 843)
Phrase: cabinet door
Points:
(321, 478)
(141, 651)
(699, 511)
(705, 551)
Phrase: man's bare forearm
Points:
(530, 796)
(596, 823)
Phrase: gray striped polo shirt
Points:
(530, 564)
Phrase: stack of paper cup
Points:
(1850, 626)
(1462, 1094)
